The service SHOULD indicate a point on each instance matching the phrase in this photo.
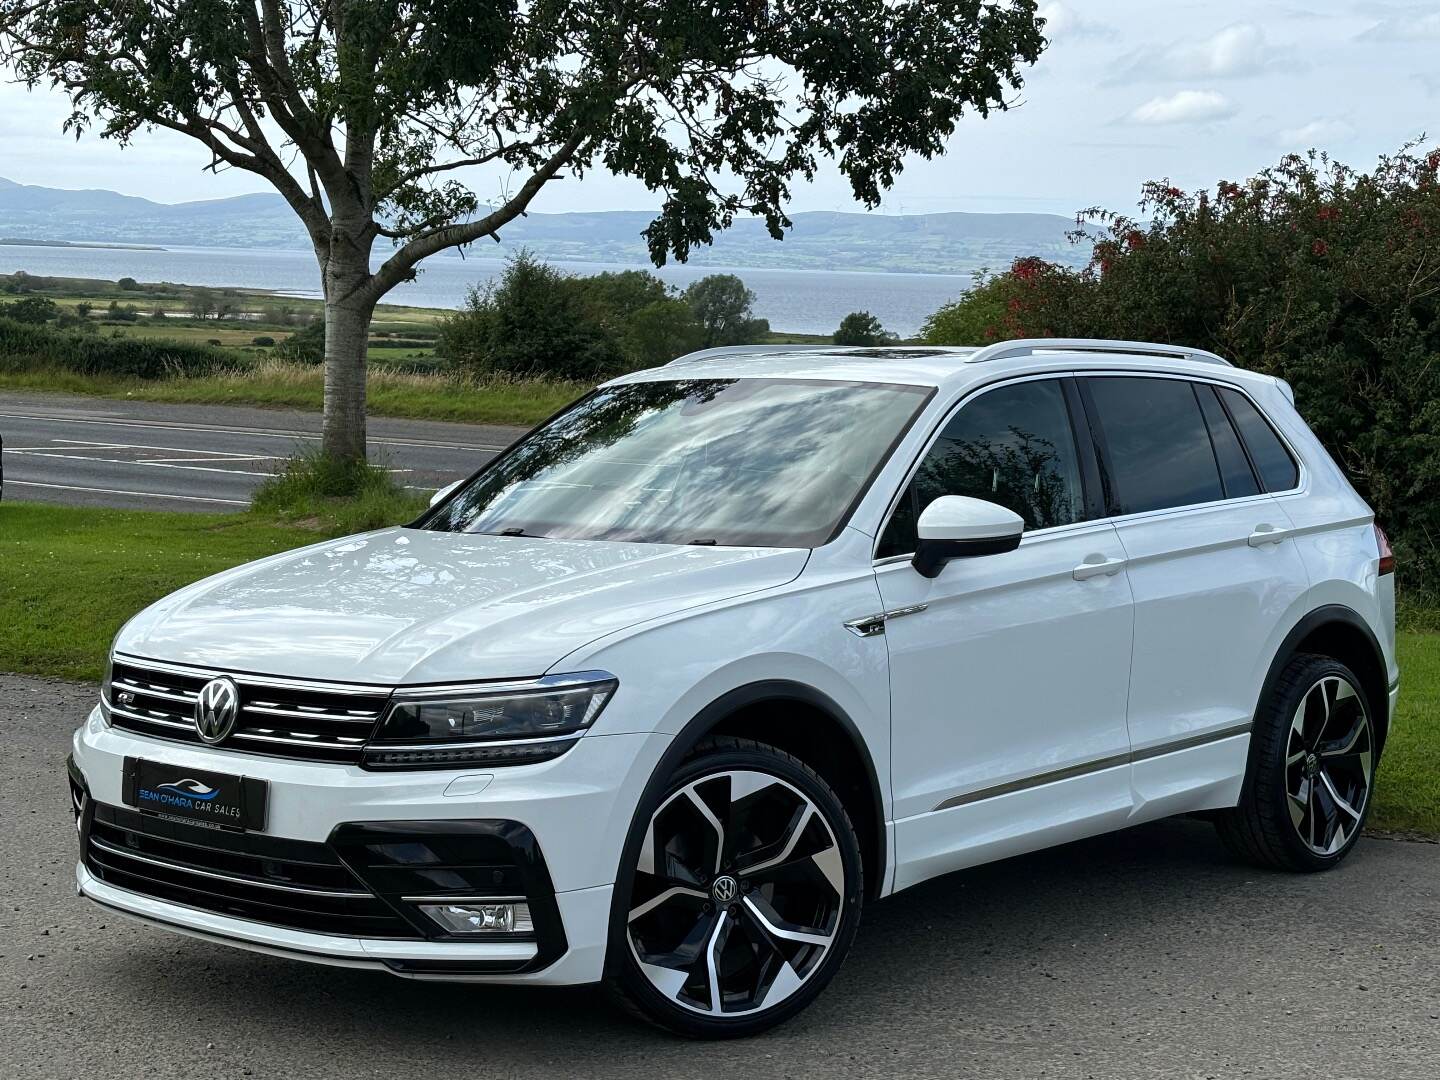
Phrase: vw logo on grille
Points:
(216, 709)
(725, 889)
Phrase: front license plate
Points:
(218, 800)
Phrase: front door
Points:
(1008, 678)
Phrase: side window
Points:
(1277, 469)
(1235, 471)
(1159, 446)
(1013, 446)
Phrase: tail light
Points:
(1387, 555)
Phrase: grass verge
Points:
(278, 384)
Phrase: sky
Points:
(1128, 90)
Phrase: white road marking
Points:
(151, 464)
(175, 426)
(217, 460)
(116, 491)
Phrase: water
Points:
(799, 301)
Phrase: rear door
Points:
(1212, 571)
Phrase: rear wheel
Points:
(1312, 768)
(743, 897)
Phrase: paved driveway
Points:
(1145, 954)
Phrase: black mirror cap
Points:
(932, 555)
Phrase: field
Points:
(69, 577)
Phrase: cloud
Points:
(1412, 24)
(1184, 107)
(1063, 21)
(1321, 133)
(1238, 51)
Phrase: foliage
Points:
(722, 306)
(121, 312)
(34, 310)
(363, 114)
(339, 496)
(264, 341)
(37, 348)
(537, 321)
(1312, 271)
(861, 328)
(306, 346)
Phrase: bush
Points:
(307, 345)
(861, 328)
(263, 341)
(1312, 271)
(35, 310)
(31, 348)
(344, 497)
(121, 313)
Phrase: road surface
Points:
(1143, 955)
(207, 458)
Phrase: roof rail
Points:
(742, 350)
(1029, 346)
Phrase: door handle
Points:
(1267, 534)
(1098, 565)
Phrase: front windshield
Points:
(738, 462)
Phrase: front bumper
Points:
(575, 810)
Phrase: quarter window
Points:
(1159, 447)
(1235, 468)
(1277, 469)
(1013, 446)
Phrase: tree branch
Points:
(396, 268)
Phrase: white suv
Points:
(665, 693)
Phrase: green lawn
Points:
(274, 384)
(69, 577)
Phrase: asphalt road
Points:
(1145, 954)
(207, 458)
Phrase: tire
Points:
(739, 895)
(1311, 774)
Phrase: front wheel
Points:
(1312, 766)
(742, 896)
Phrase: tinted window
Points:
(1235, 468)
(743, 462)
(1160, 453)
(1013, 446)
(1276, 467)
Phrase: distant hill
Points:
(955, 243)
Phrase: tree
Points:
(861, 328)
(534, 321)
(361, 113)
(721, 305)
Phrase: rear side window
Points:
(1159, 445)
(1277, 469)
(1014, 446)
(1235, 469)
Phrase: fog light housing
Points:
(481, 917)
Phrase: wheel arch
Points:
(1341, 633)
(749, 711)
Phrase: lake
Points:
(800, 301)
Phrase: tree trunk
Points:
(347, 331)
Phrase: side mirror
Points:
(434, 499)
(959, 527)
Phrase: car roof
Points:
(946, 367)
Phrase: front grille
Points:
(291, 883)
(279, 717)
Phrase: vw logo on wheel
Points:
(725, 889)
(216, 709)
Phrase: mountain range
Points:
(953, 243)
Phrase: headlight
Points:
(494, 725)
